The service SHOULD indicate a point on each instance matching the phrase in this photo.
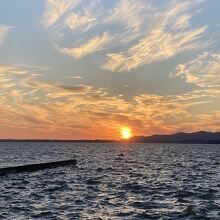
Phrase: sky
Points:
(85, 69)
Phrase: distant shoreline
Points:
(58, 140)
(201, 137)
(105, 141)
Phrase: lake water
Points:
(151, 181)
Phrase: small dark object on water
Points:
(36, 167)
(120, 156)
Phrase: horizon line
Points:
(133, 139)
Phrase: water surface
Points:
(151, 181)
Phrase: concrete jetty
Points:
(36, 167)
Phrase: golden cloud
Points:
(84, 112)
(203, 71)
(93, 45)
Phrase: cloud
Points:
(75, 89)
(169, 35)
(7, 75)
(40, 106)
(47, 108)
(183, 21)
(5, 70)
(131, 33)
(69, 90)
(3, 32)
(74, 21)
(93, 45)
(131, 14)
(56, 88)
(55, 9)
(75, 77)
(203, 71)
(157, 46)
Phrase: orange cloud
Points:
(93, 45)
(84, 112)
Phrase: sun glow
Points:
(126, 133)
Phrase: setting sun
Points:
(126, 133)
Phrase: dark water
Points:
(151, 181)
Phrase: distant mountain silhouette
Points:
(201, 137)
(197, 137)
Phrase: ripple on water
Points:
(149, 182)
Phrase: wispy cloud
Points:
(203, 71)
(40, 106)
(74, 21)
(5, 70)
(75, 89)
(93, 45)
(7, 74)
(132, 15)
(56, 88)
(157, 46)
(3, 32)
(75, 77)
(55, 9)
(170, 34)
(146, 33)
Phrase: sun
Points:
(126, 133)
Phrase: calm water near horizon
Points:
(151, 181)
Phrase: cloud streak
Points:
(95, 44)
(3, 32)
(55, 9)
(39, 106)
(5, 70)
(169, 35)
(146, 33)
(157, 46)
(74, 21)
(203, 71)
